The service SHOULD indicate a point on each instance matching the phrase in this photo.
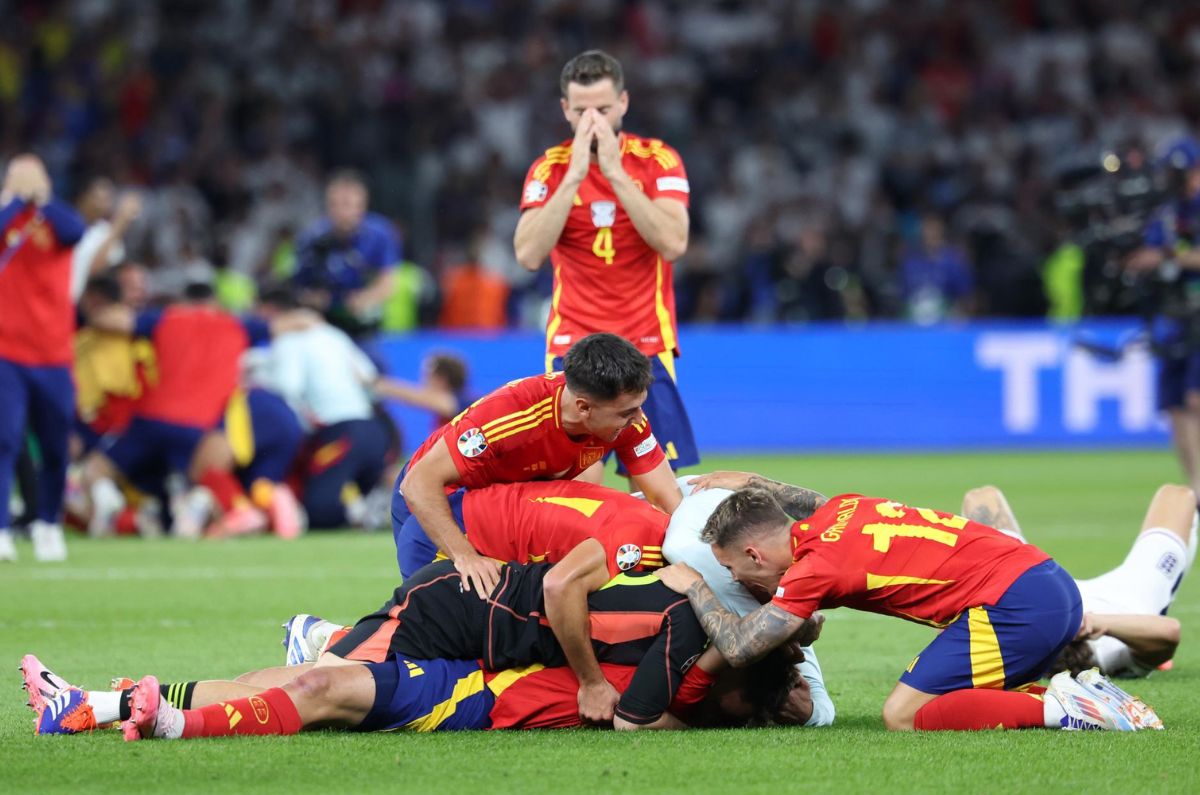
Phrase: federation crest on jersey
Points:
(589, 456)
(628, 556)
(535, 190)
(472, 442)
(604, 214)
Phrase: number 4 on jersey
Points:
(602, 246)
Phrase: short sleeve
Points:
(543, 178)
(474, 456)
(637, 448)
(670, 179)
(801, 590)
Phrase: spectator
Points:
(935, 280)
(346, 261)
(472, 297)
(102, 245)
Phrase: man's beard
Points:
(596, 144)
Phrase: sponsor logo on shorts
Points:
(689, 662)
(678, 184)
(261, 711)
(535, 190)
(472, 442)
(628, 556)
(646, 445)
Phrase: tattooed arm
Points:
(797, 502)
(988, 506)
(742, 641)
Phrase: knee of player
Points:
(1175, 493)
(1172, 631)
(313, 685)
(897, 717)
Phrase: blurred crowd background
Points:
(864, 159)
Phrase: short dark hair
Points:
(1076, 657)
(279, 296)
(105, 287)
(746, 513)
(197, 292)
(769, 681)
(604, 366)
(350, 175)
(592, 67)
(450, 367)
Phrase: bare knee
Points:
(897, 716)
(1173, 507)
(313, 685)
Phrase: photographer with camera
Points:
(1169, 262)
(345, 262)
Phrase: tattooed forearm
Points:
(741, 641)
(797, 502)
(983, 514)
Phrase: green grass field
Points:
(213, 610)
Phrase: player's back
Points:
(544, 520)
(882, 556)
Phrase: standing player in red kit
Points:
(610, 209)
(1005, 609)
(37, 330)
(545, 427)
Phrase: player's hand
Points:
(479, 574)
(810, 631)
(581, 148)
(1090, 628)
(1144, 259)
(678, 577)
(128, 208)
(598, 702)
(26, 178)
(721, 480)
(608, 148)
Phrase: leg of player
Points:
(1173, 508)
(987, 505)
(99, 481)
(1185, 435)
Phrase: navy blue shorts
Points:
(668, 418)
(1005, 645)
(264, 433)
(428, 695)
(149, 450)
(414, 548)
(1177, 377)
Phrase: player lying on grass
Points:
(682, 544)
(1126, 630)
(1006, 609)
(428, 695)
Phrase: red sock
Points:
(270, 712)
(969, 710)
(225, 488)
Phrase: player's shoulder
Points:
(377, 225)
(651, 150)
(557, 156)
(520, 404)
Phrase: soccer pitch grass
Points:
(213, 610)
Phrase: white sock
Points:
(1053, 713)
(106, 704)
(172, 728)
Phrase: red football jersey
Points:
(544, 520)
(37, 315)
(198, 350)
(606, 277)
(883, 557)
(515, 434)
(546, 698)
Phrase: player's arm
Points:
(539, 228)
(741, 641)
(1152, 639)
(660, 487)
(797, 501)
(665, 721)
(662, 222)
(582, 570)
(440, 401)
(424, 489)
(364, 301)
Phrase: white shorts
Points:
(683, 545)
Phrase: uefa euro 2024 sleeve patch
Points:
(535, 190)
(472, 443)
(628, 556)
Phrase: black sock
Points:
(179, 694)
(126, 713)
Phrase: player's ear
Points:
(623, 101)
(566, 109)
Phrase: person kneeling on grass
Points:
(1127, 632)
(1006, 609)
